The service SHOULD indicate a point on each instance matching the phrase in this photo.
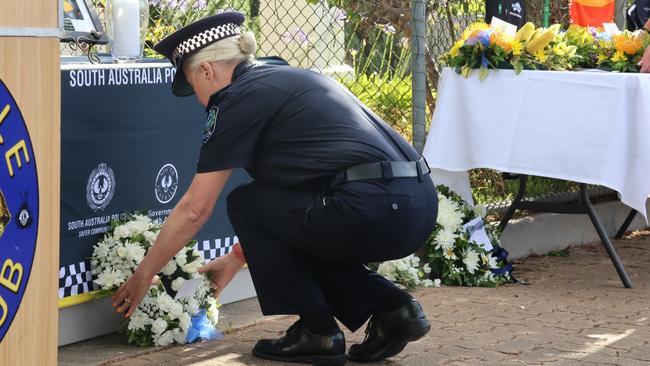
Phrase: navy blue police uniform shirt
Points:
(292, 127)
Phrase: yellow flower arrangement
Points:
(623, 52)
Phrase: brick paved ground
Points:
(573, 312)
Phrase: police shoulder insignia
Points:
(210, 124)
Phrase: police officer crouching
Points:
(333, 187)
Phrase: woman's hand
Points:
(128, 296)
(222, 270)
(645, 61)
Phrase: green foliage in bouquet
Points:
(622, 52)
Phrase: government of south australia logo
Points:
(166, 183)
(100, 187)
(18, 208)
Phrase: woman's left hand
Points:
(128, 296)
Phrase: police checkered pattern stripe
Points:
(75, 279)
(204, 38)
(211, 249)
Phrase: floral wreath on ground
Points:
(454, 255)
(160, 318)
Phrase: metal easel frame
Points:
(584, 206)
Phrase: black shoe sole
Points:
(412, 332)
(312, 359)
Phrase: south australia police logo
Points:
(18, 208)
(166, 183)
(100, 187)
(210, 124)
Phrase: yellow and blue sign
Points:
(18, 208)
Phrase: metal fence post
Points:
(418, 70)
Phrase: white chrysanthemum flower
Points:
(121, 232)
(445, 239)
(192, 306)
(134, 251)
(448, 253)
(185, 321)
(427, 283)
(449, 214)
(386, 269)
(101, 250)
(471, 260)
(415, 260)
(165, 339)
(158, 326)
(169, 268)
(426, 268)
(480, 210)
(108, 279)
(192, 267)
(138, 320)
(165, 302)
(489, 261)
(181, 258)
(180, 336)
(178, 283)
(175, 310)
(436, 282)
(150, 236)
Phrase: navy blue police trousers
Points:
(307, 248)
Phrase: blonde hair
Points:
(232, 49)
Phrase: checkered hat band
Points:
(203, 39)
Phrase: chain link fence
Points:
(365, 44)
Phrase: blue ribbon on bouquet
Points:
(202, 328)
(484, 38)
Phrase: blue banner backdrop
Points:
(126, 144)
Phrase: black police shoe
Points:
(388, 333)
(300, 345)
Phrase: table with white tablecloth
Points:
(589, 127)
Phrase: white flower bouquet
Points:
(455, 254)
(406, 273)
(160, 318)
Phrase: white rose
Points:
(427, 283)
(165, 339)
(169, 268)
(436, 282)
(121, 251)
(426, 268)
(178, 283)
(159, 325)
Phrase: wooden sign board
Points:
(29, 181)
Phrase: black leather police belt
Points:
(386, 170)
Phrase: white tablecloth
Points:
(589, 127)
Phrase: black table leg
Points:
(626, 224)
(604, 238)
